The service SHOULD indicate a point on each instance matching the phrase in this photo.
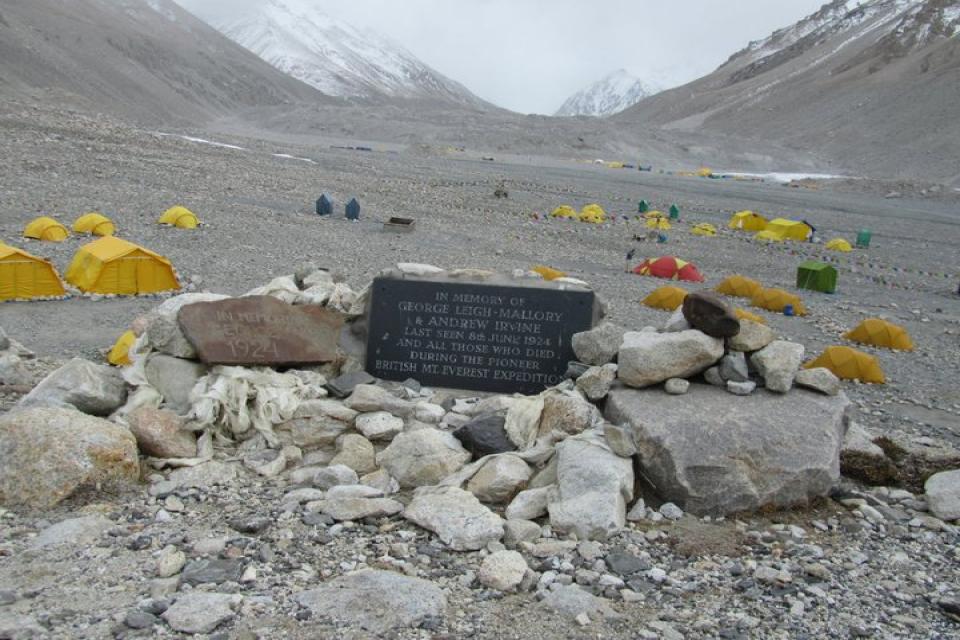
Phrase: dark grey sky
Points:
(530, 55)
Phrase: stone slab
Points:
(261, 330)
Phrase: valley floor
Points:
(850, 577)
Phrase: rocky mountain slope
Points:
(339, 60)
(870, 85)
(607, 96)
(145, 59)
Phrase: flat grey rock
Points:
(375, 601)
(714, 454)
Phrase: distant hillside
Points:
(873, 86)
(607, 96)
(339, 60)
(146, 59)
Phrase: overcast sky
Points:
(530, 55)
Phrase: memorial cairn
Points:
(481, 407)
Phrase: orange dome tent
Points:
(880, 333)
(666, 298)
(548, 273)
(46, 229)
(849, 364)
(669, 268)
(777, 300)
(739, 287)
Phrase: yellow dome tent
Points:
(24, 276)
(112, 265)
(653, 215)
(119, 355)
(704, 229)
(849, 364)
(666, 298)
(46, 229)
(663, 224)
(704, 172)
(768, 236)
(880, 333)
(95, 224)
(789, 229)
(179, 217)
(839, 244)
(548, 273)
(739, 287)
(592, 213)
(748, 221)
(743, 314)
(776, 300)
(564, 211)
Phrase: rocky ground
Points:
(869, 563)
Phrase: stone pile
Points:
(705, 409)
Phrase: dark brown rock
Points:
(260, 330)
(711, 315)
(484, 436)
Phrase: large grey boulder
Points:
(943, 494)
(778, 363)
(594, 486)
(174, 378)
(47, 455)
(376, 601)
(423, 457)
(599, 345)
(456, 516)
(714, 455)
(95, 389)
(648, 358)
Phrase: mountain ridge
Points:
(611, 94)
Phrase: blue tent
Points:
(324, 206)
(353, 210)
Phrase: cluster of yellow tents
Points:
(848, 363)
(780, 230)
(775, 300)
(592, 213)
(47, 229)
(106, 266)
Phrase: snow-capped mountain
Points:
(871, 84)
(298, 38)
(612, 94)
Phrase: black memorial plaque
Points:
(482, 337)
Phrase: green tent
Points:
(643, 207)
(674, 212)
(817, 276)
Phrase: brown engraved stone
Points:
(261, 330)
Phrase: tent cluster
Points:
(776, 300)
(592, 213)
(351, 211)
(94, 223)
(777, 230)
(848, 363)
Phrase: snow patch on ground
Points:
(287, 156)
(783, 177)
(201, 141)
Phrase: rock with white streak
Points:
(651, 358)
(599, 345)
(499, 479)
(594, 486)
(503, 570)
(94, 389)
(456, 516)
(778, 363)
(423, 457)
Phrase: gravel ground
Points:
(841, 572)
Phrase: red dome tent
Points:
(669, 268)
